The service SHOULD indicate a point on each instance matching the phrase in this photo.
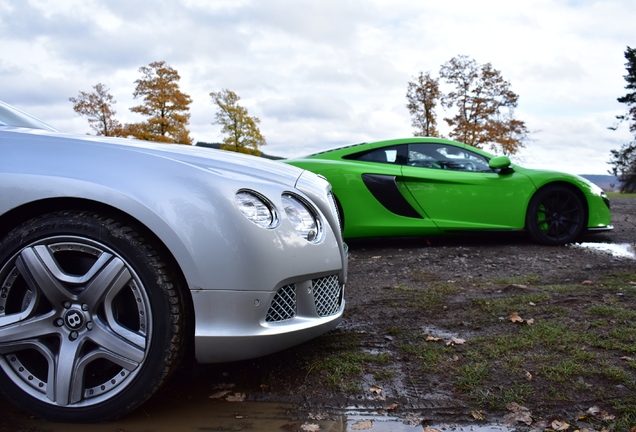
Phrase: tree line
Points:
(480, 101)
(167, 112)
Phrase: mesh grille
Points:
(327, 295)
(283, 305)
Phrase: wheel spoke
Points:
(39, 277)
(65, 377)
(107, 278)
(14, 328)
(120, 346)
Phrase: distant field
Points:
(621, 195)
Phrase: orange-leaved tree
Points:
(97, 106)
(484, 106)
(165, 105)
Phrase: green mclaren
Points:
(432, 186)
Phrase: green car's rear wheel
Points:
(556, 216)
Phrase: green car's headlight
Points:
(303, 218)
(257, 209)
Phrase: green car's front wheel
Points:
(556, 215)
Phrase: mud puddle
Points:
(619, 250)
(251, 416)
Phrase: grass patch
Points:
(347, 362)
(577, 343)
(620, 195)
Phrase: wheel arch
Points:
(579, 193)
(16, 216)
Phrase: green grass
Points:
(620, 195)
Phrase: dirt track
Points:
(381, 274)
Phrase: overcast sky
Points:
(327, 72)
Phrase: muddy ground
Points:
(376, 321)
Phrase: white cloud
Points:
(332, 72)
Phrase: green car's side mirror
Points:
(499, 162)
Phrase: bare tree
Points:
(98, 108)
(422, 96)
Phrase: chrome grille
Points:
(283, 305)
(327, 295)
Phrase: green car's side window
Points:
(388, 155)
(442, 156)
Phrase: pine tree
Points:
(623, 161)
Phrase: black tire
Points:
(91, 317)
(556, 216)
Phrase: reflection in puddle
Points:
(622, 250)
(205, 414)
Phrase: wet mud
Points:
(287, 391)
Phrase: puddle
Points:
(619, 250)
(201, 415)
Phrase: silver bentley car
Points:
(118, 257)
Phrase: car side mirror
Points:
(499, 162)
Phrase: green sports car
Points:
(429, 186)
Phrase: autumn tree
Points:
(243, 134)
(97, 106)
(422, 96)
(484, 106)
(165, 105)
(624, 160)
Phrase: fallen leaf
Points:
(375, 390)
(530, 321)
(477, 415)
(392, 406)
(559, 425)
(528, 376)
(428, 429)
(519, 414)
(458, 341)
(309, 427)
(219, 395)
(532, 304)
(433, 338)
(587, 282)
(362, 425)
(514, 317)
(236, 397)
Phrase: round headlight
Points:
(256, 209)
(302, 218)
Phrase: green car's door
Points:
(455, 187)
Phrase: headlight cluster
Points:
(262, 212)
(257, 209)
